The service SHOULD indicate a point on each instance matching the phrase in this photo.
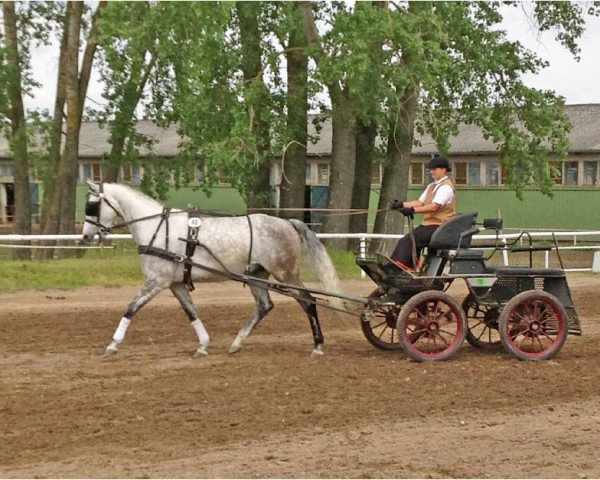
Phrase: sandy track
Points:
(271, 410)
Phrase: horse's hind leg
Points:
(147, 293)
(183, 295)
(263, 306)
(309, 306)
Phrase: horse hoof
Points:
(316, 353)
(109, 352)
(201, 352)
(235, 348)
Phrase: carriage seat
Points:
(456, 232)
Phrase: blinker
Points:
(92, 209)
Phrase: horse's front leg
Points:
(150, 289)
(183, 295)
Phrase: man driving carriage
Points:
(437, 203)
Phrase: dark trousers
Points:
(403, 250)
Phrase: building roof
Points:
(584, 137)
(93, 139)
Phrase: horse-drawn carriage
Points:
(527, 310)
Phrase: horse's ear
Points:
(94, 188)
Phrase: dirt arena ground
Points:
(271, 410)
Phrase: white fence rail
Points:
(14, 240)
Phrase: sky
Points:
(578, 82)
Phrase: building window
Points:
(199, 175)
(493, 173)
(460, 173)
(416, 174)
(6, 169)
(590, 173)
(222, 178)
(131, 174)
(92, 171)
(323, 174)
(308, 175)
(556, 172)
(571, 173)
(474, 173)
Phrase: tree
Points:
(427, 67)
(226, 65)
(464, 70)
(18, 126)
(131, 35)
(293, 181)
(256, 95)
(343, 119)
(72, 84)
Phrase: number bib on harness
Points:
(194, 223)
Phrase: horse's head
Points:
(100, 213)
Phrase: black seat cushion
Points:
(447, 236)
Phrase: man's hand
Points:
(396, 204)
(407, 211)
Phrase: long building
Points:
(476, 172)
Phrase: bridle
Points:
(92, 209)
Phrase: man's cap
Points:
(437, 161)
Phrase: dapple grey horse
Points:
(267, 244)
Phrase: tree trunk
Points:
(51, 199)
(361, 192)
(68, 166)
(343, 163)
(293, 181)
(395, 177)
(53, 184)
(18, 129)
(259, 193)
(365, 151)
(343, 144)
(88, 58)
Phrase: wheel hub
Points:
(391, 317)
(490, 318)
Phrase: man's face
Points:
(438, 172)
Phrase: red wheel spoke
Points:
(442, 338)
(552, 339)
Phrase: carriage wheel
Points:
(379, 324)
(533, 325)
(482, 324)
(431, 326)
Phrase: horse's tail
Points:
(321, 263)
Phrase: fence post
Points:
(362, 251)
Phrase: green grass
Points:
(95, 268)
(114, 268)
(107, 268)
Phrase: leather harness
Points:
(92, 209)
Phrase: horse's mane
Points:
(136, 192)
